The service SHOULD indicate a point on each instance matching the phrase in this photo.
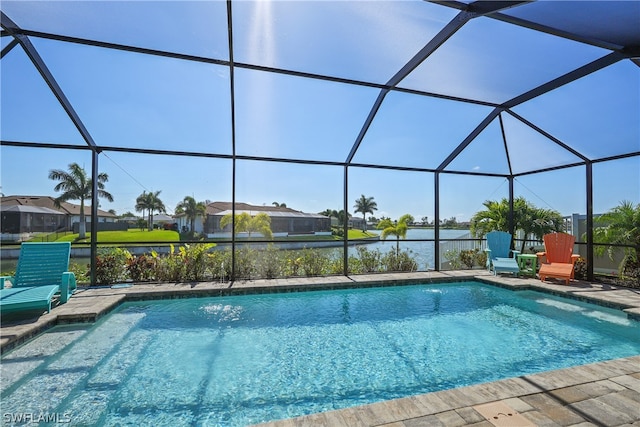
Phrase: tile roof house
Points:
(284, 221)
(39, 214)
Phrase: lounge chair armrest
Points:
(4, 279)
(515, 253)
(488, 252)
(67, 286)
(574, 258)
(72, 281)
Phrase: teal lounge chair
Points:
(499, 252)
(40, 275)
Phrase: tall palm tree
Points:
(260, 223)
(149, 202)
(395, 228)
(365, 205)
(620, 226)
(76, 185)
(191, 209)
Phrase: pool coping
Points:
(580, 394)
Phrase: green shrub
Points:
(270, 262)
(312, 262)
(219, 264)
(142, 268)
(193, 256)
(369, 261)
(111, 265)
(454, 259)
(187, 264)
(403, 261)
(169, 268)
(81, 271)
(244, 263)
(480, 258)
(467, 258)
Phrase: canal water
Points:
(422, 251)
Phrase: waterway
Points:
(422, 249)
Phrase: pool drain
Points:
(502, 415)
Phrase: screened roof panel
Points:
(417, 131)
(4, 41)
(361, 40)
(391, 200)
(492, 61)
(617, 21)
(301, 187)
(129, 99)
(30, 111)
(292, 117)
(530, 150)
(148, 24)
(174, 176)
(598, 115)
(485, 154)
(25, 170)
(122, 106)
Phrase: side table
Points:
(528, 264)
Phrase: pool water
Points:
(246, 359)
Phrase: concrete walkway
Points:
(601, 394)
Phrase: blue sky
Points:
(144, 101)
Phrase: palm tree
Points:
(260, 223)
(341, 216)
(191, 209)
(526, 217)
(365, 205)
(329, 212)
(620, 226)
(149, 202)
(76, 185)
(279, 205)
(396, 228)
(494, 217)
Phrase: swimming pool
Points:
(246, 359)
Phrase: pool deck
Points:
(600, 394)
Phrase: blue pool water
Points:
(246, 359)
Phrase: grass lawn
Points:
(359, 234)
(133, 235)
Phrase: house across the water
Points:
(284, 221)
(25, 216)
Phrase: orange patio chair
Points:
(558, 259)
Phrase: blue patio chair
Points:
(41, 274)
(499, 259)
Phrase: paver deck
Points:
(600, 394)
